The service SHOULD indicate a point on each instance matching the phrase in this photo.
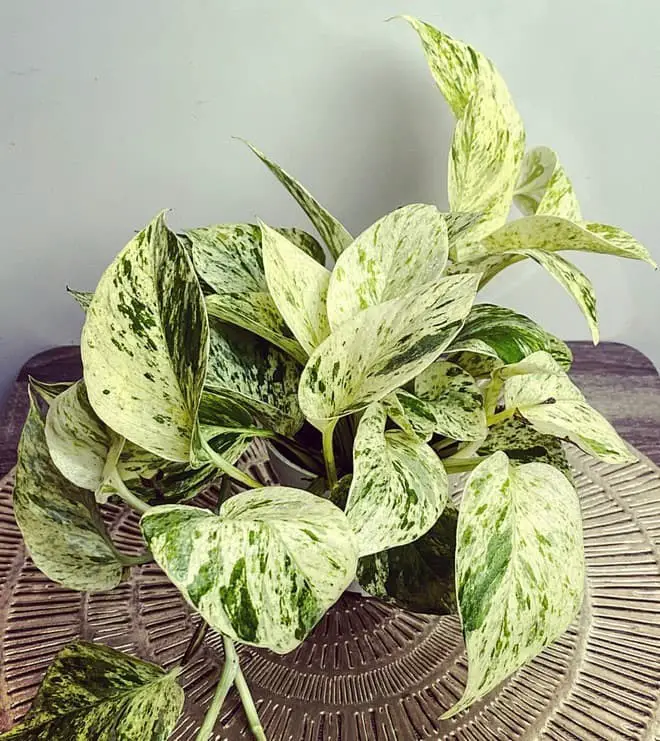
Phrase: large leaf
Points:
(551, 402)
(543, 187)
(145, 344)
(299, 287)
(418, 576)
(383, 347)
(61, 525)
(333, 233)
(263, 571)
(94, 692)
(455, 400)
(519, 567)
(398, 254)
(258, 376)
(507, 335)
(399, 486)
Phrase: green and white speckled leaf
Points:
(61, 525)
(47, 391)
(455, 399)
(257, 313)
(265, 569)
(543, 187)
(145, 344)
(396, 255)
(333, 233)
(82, 298)
(256, 375)
(461, 228)
(299, 287)
(383, 347)
(399, 486)
(94, 692)
(546, 397)
(411, 414)
(519, 567)
(507, 335)
(418, 576)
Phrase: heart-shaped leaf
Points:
(418, 576)
(519, 567)
(543, 187)
(399, 486)
(299, 287)
(548, 399)
(399, 253)
(507, 335)
(145, 344)
(333, 233)
(382, 348)
(94, 692)
(265, 569)
(61, 525)
(258, 376)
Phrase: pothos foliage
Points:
(194, 344)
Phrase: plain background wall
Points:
(112, 111)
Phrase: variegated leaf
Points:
(461, 227)
(47, 391)
(543, 187)
(299, 287)
(550, 401)
(333, 233)
(145, 344)
(382, 348)
(265, 569)
(396, 255)
(455, 400)
(258, 376)
(399, 486)
(61, 525)
(478, 363)
(94, 692)
(507, 335)
(519, 567)
(418, 576)
(82, 298)
(411, 414)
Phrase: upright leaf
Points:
(398, 254)
(94, 692)
(61, 525)
(333, 233)
(265, 569)
(299, 287)
(82, 298)
(399, 486)
(543, 187)
(418, 576)
(519, 567)
(411, 414)
(383, 347)
(145, 344)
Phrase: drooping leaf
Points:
(47, 391)
(263, 571)
(257, 375)
(396, 255)
(61, 525)
(550, 401)
(94, 692)
(145, 344)
(418, 576)
(399, 486)
(383, 347)
(82, 298)
(519, 567)
(455, 399)
(543, 187)
(507, 335)
(299, 287)
(333, 233)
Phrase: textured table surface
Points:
(372, 672)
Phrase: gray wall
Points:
(111, 111)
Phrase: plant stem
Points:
(249, 707)
(495, 419)
(230, 470)
(143, 558)
(127, 495)
(461, 465)
(226, 680)
(443, 445)
(329, 454)
(195, 642)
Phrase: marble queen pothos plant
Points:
(382, 376)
